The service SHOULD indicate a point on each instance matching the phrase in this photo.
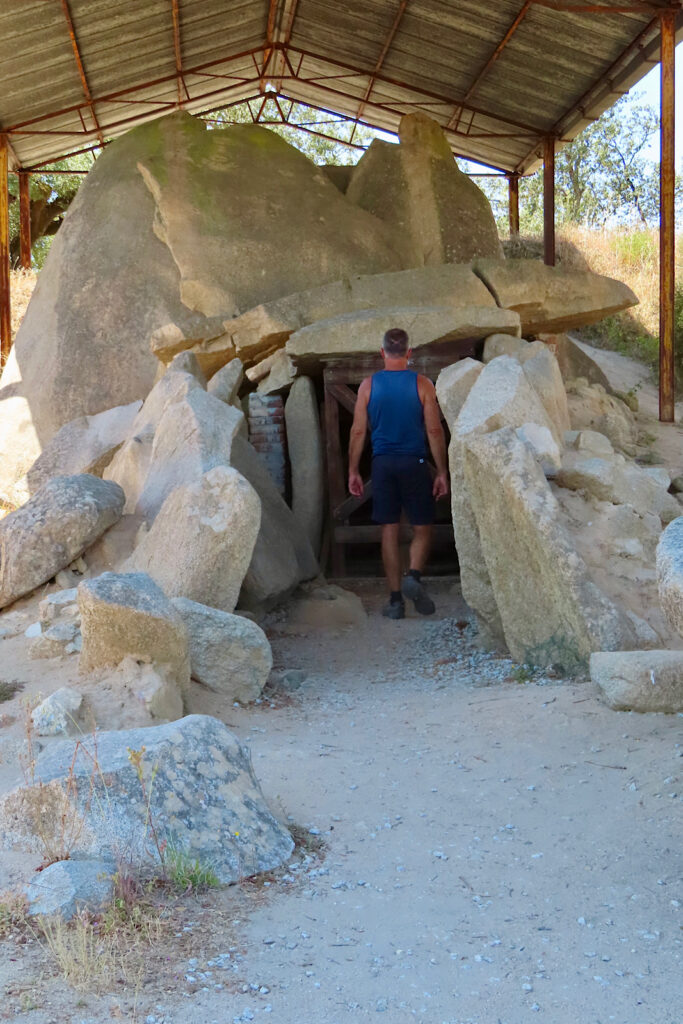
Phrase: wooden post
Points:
(24, 220)
(667, 226)
(5, 317)
(549, 202)
(513, 204)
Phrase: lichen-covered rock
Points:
(670, 573)
(58, 713)
(439, 214)
(201, 542)
(201, 794)
(228, 653)
(639, 680)
(551, 612)
(53, 529)
(127, 615)
(68, 887)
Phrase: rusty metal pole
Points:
(549, 202)
(5, 310)
(667, 223)
(24, 220)
(513, 204)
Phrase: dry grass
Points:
(21, 283)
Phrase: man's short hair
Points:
(395, 342)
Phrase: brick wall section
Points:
(266, 417)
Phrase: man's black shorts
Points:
(402, 482)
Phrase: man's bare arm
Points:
(359, 430)
(435, 434)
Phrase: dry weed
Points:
(21, 284)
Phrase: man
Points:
(400, 407)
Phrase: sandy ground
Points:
(493, 852)
(479, 848)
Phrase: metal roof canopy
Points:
(509, 81)
(499, 77)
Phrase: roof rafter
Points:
(175, 13)
(81, 70)
(380, 61)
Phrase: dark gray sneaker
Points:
(415, 591)
(394, 610)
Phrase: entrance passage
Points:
(352, 540)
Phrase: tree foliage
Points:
(602, 177)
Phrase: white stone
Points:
(454, 384)
(58, 713)
(640, 680)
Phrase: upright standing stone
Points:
(304, 440)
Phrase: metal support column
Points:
(549, 202)
(5, 318)
(24, 220)
(513, 204)
(667, 225)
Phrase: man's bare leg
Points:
(391, 558)
(419, 547)
(412, 586)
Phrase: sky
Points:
(649, 86)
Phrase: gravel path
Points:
(495, 852)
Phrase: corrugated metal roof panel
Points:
(383, 58)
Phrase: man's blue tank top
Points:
(396, 414)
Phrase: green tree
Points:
(602, 176)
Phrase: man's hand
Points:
(440, 488)
(356, 485)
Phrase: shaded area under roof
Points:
(499, 77)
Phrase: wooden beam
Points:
(667, 220)
(378, 65)
(81, 70)
(24, 220)
(5, 302)
(549, 202)
(175, 12)
(513, 204)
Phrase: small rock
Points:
(57, 713)
(69, 886)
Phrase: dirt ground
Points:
(475, 846)
(492, 850)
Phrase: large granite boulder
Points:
(261, 330)
(361, 333)
(229, 654)
(305, 446)
(53, 529)
(551, 612)
(200, 793)
(173, 221)
(282, 555)
(439, 213)
(86, 445)
(127, 614)
(194, 435)
(454, 384)
(500, 397)
(670, 573)
(592, 408)
(552, 299)
(201, 542)
(639, 680)
(543, 373)
(613, 478)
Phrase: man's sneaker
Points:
(413, 589)
(394, 610)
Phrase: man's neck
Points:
(396, 364)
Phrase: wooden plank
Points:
(344, 395)
(347, 507)
(5, 314)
